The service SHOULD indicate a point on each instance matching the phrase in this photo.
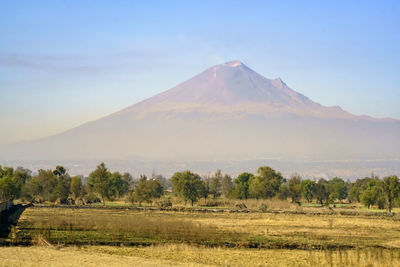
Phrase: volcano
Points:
(226, 112)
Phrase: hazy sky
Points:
(63, 63)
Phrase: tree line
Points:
(101, 185)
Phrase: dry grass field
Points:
(277, 230)
(104, 237)
(186, 255)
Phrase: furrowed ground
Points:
(210, 238)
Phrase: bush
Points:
(216, 203)
(263, 207)
(92, 198)
(241, 206)
(165, 203)
(212, 203)
(130, 197)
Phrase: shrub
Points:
(263, 207)
(241, 206)
(165, 203)
(91, 197)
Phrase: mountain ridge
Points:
(182, 94)
(226, 111)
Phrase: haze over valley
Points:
(228, 114)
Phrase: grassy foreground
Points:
(100, 237)
(68, 226)
(185, 255)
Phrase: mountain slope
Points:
(233, 87)
(226, 112)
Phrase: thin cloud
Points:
(46, 63)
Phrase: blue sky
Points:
(63, 63)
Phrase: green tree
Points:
(368, 197)
(128, 181)
(10, 183)
(146, 190)
(60, 171)
(257, 187)
(373, 194)
(63, 184)
(266, 183)
(322, 191)
(391, 188)
(294, 186)
(76, 187)
(27, 191)
(23, 180)
(308, 189)
(44, 185)
(357, 188)
(6, 171)
(8, 188)
(118, 186)
(165, 183)
(100, 180)
(21, 176)
(187, 185)
(215, 184)
(283, 192)
(241, 190)
(273, 180)
(338, 189)
(227, 185)
(204, 188)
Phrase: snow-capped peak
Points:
(234, 63)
